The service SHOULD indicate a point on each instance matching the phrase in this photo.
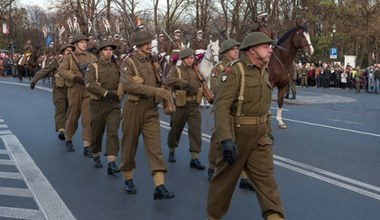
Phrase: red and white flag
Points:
(5, 28)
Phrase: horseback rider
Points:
(174, 48)
(199, 45)
(261, 24)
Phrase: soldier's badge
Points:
(224, 78)
(213, 75)
(227, 69)
(125, 68)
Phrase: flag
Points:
(5, 28)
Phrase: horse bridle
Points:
(212, 56)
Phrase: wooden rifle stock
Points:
(169, 107)
(206, 91)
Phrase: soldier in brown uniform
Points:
(242, 131)
(91, 46)
(162, 44)
(262, 25)
(230, 51)
(199, 43)
(28, 50)
(174, 48)
(186, 87)
(79, 97)
(121, 48)
(102, 80)
(141, 115)
(60, 100)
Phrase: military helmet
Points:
(141, 37)
(185, 53)
(104, 44)
(79, 37)
(254, 39)
(228, 44)
(66, 46)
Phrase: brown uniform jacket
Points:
(121, 48)
(178, 46)
(108, 77)
(68, 69)
(144, 70)
(186, 80)
(257, 96)
(198, 44)
(216, 72)
(162, 46)
(51, 67)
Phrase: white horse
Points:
(211, 57)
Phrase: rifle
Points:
(169, 107)
(135, 29)
(82, 67)
(170, 39)
(206, 91)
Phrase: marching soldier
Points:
(28, 50)
(102, 80)
(230, 51)
(174, 48)
(243, 100)
(73, 69)
(186, 87)
(141, 115)
(60, 100)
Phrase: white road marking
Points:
(5, 132)
(11, 175)
(3, 126)
(45, 195)
(10, 191)
(19, 213)
(6, 162)
(315, 172)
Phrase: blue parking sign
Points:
(48, 41)
(333, 53)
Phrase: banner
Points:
(5, 28)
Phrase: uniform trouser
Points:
(256, 158)
(189, 113)
(141, 117)
(304, 81)
(212, 152)
(79, 104)
(105, 114)
(60, 102)
(292, 87)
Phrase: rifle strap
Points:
(130, 61)
(179, 72)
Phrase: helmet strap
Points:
(258, 56)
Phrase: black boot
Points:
(195, 163)
(210, 173)
(87, 152)
(293, 96)
(160, 192)
(61, 135)
(112, 168)
(245, 184)
(130, 187)
(97, 162)
(172, 158)
(286, 96)
(70, 146)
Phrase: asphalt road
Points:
(327, 164)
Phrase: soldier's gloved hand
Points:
(112, 95)
(230, 151)
(165, 94)
(78, 79)
(32, 85)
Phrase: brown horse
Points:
(281, 63)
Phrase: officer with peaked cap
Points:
(186, 86)
(60, 99)
(174, 48)
(242, 131)
(141, 116)
(72, 70)
(102, 81)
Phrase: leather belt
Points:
(251, 120)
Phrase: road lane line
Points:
(332, 127)
(327, 173)
(10, 191)
(4, 152)
(5, 132)
(312, 173)
(19, 213)
(329, 180)
(45, 195)
(3, 126)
